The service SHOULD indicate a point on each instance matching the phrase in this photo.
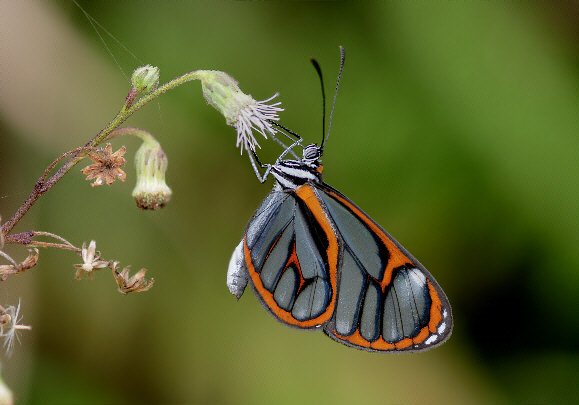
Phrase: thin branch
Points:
(60, 158)
(8, 258)
(52, 235)
(126, 131)
(42, 185)
(62, 246)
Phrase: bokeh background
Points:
(456, 128)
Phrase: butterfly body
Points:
(315, 259)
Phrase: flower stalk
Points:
(257, 114)
(220, 90)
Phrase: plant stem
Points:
(62, 246)
(129, 108)
(139, 133)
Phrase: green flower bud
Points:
(145, 79)
(151, 191)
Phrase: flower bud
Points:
(145, 79)
(151, 191)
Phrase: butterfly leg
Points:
(284, 146)
(289, 149)
(254, 163)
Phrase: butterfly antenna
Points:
(342, 61)
(319, 71)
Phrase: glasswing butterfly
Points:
(316, 260)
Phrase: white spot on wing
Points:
(444, 313)
(431, 339)
(442, 327)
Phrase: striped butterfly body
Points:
(315, 259)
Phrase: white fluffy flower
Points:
(240, 110)
(10, 325)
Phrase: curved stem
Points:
(60, 158)
(42, 185)
(54, 236)
(8, 258)
(126, 131)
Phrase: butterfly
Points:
(316, 260)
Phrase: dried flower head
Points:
(128, 283)
(106, 167)
(10, 325)
(151, 191)
(13, 268)
(240, 110)
(145, 78)
(91, 260)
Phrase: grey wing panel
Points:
(406, 305)
(269, 221)
(362, 265)
(364, 246)
(351, 287)
(288, 252)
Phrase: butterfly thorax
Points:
(290, 174)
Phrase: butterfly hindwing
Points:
(291, 254)
(387, 301)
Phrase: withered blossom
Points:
(106, 167)
(91, 260)
(13, 268)
(134, 283)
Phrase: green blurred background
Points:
(456, 128)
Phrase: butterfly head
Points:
(312, 154)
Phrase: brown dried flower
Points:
(26, 264)
(106, 167)
(128, 283)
